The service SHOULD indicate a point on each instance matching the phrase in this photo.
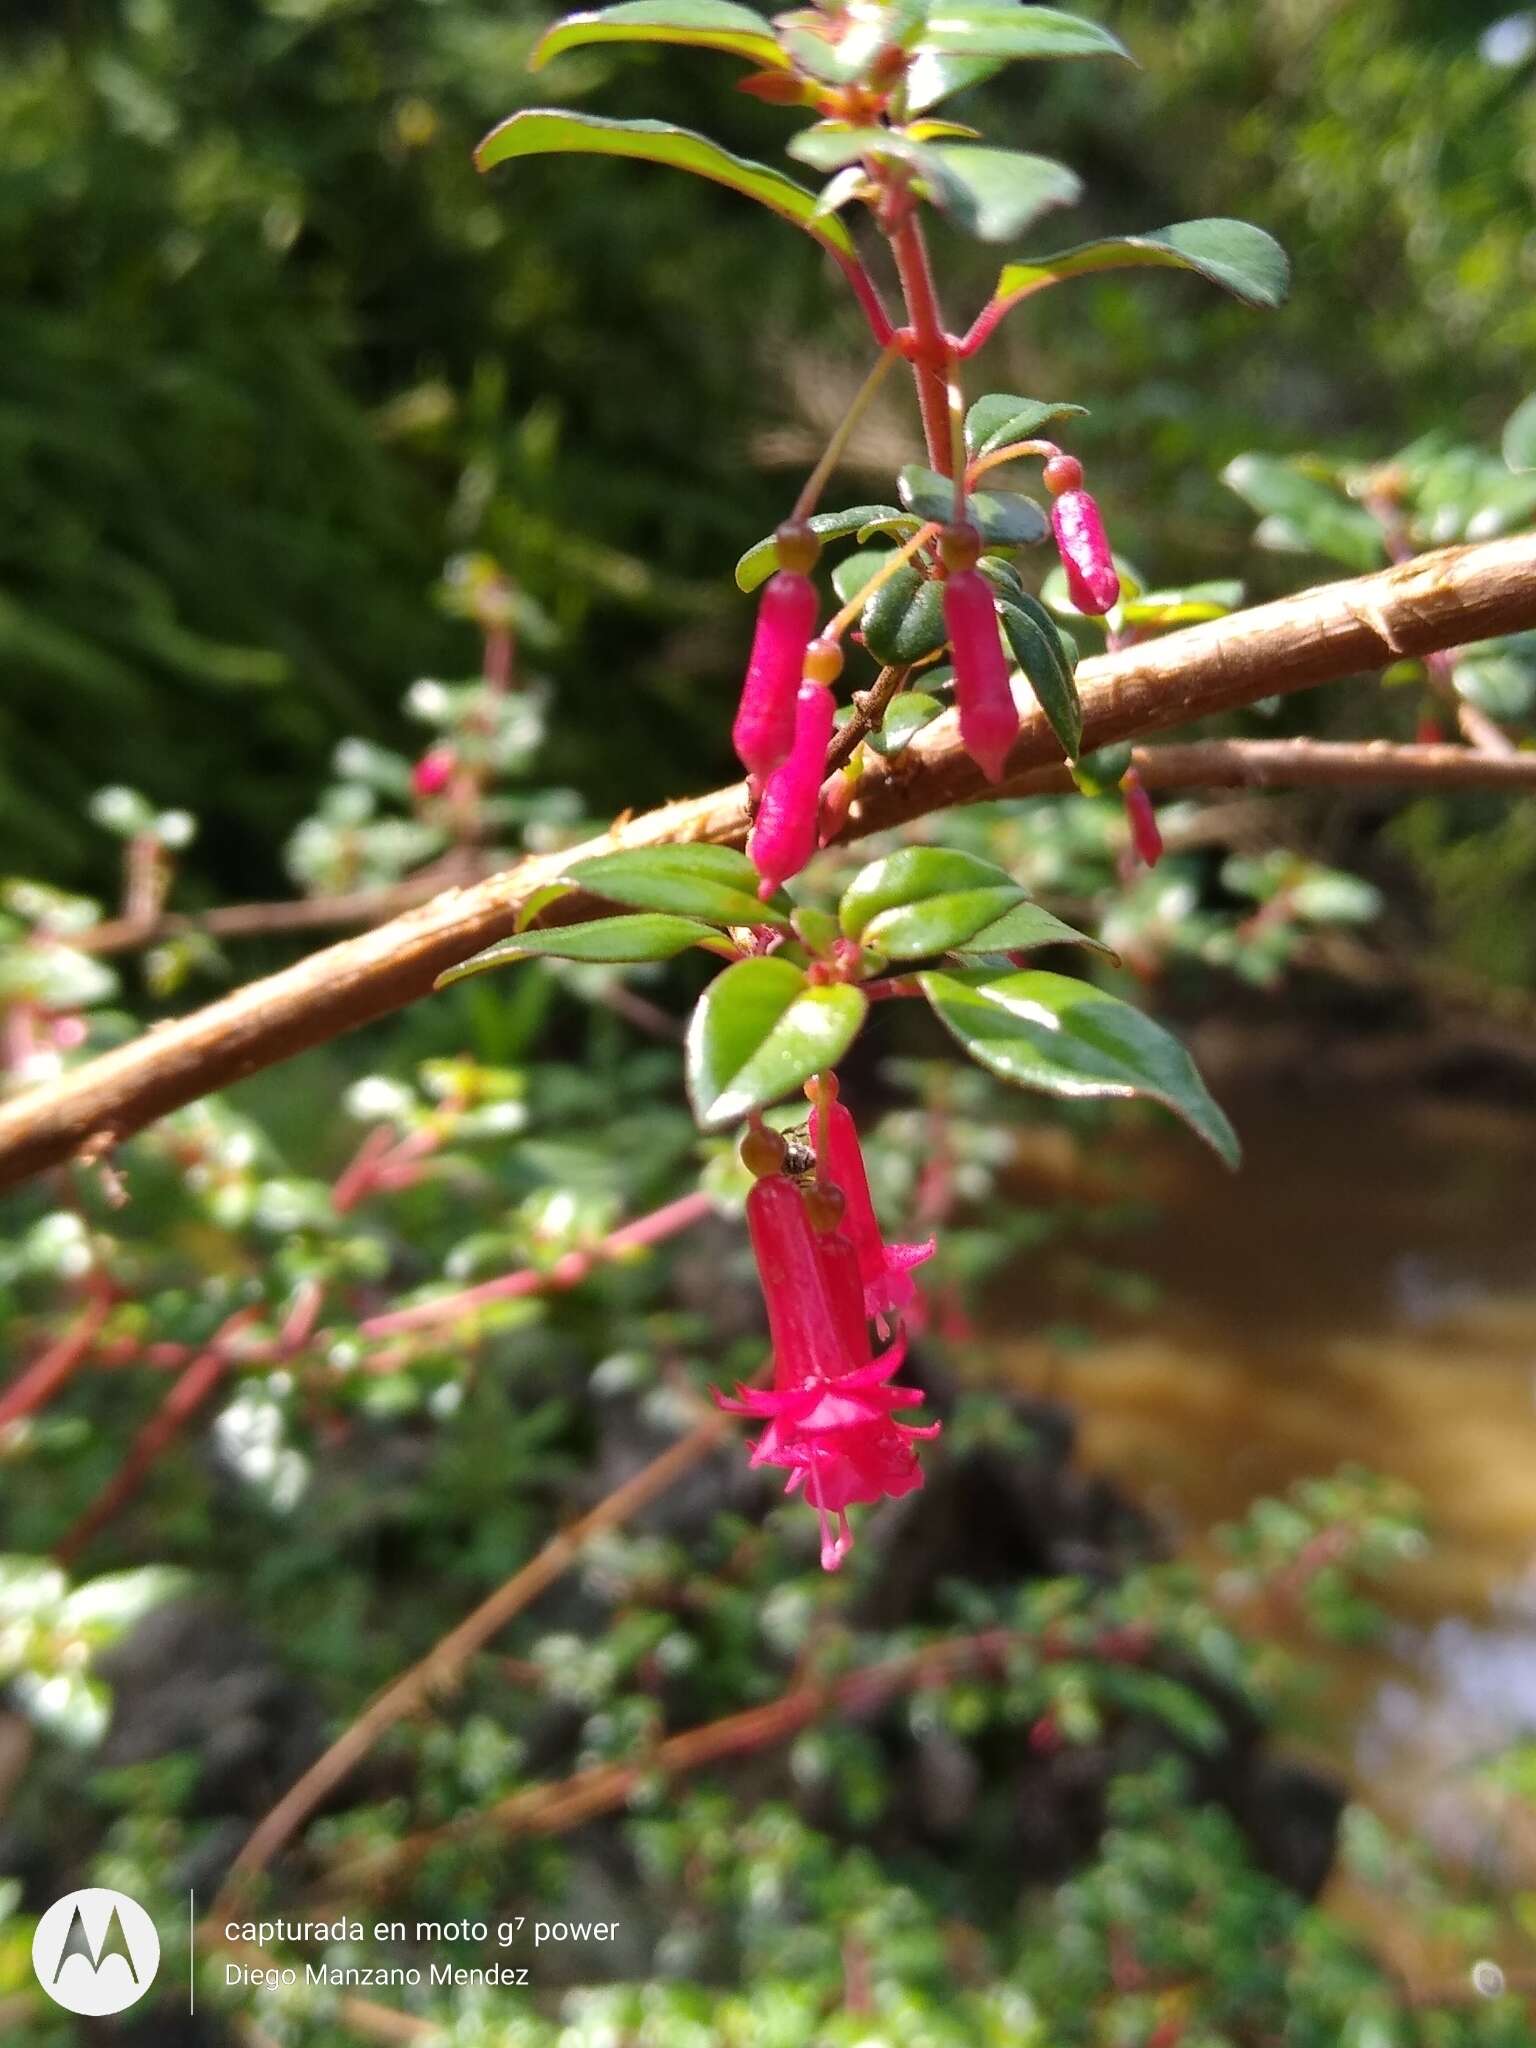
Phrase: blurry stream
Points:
(1363, 1292)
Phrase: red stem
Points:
(42, 1379)
(868, 297)
(930, 346)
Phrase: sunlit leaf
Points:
(709, 24)
(1000, 419)
(713, 883)
(651, 935)
(759, 1031)
(1036, 645)
(955, 29)
(760, 560)
(1241, 259)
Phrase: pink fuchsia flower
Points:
(764, 732)
(784, 831)
(1145, 837)
(989, 718)
(829, 1413)
(434, 771)
(885, 1270)
(1093, 582)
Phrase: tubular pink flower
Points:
(784, 834)
(989, 718)
(885, 1269)
(1092, 581)
(764, 731)
(1145, 837)
(829, 1414)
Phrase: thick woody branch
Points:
(1449, 598)
(1310, 764)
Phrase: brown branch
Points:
(1447, 598)
(440, 1670)
(1311, 764)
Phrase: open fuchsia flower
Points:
(784, 832)
(989, 718)
(1092, 580)
(830, 1413)
(764, 732)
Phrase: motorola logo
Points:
(95, 1952)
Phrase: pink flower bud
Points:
(1092, 582)
(884, 1269)
(784, 835)
(764, 730)
(434, 771)
(989, 718)
(1141, 817)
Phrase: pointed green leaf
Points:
(1192, 606)
(651, 936)
(1001, 192)
(999, 419)
(1242, 259)
(710, 24)
(905, 719)
(917, 931)
(1067, 1038)
(1302, 515)
(758, 1032)
(538, 131)
(955, 29)
(904, 619)
(715, 883)
(1004, 519)
(760, 560)
(932, 76)
(852, 573)
(1037, 647)
(1519, 443)
(914, 875)
(1022, 929)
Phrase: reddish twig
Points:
(36, 1385)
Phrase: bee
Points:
(800, 1156)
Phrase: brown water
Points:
(1364, 1292)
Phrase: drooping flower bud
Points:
(784, 832)
(434, 771)
(884, 1269)
(1092, 580)
(989, 718)
(764, 730)
(1141, 817)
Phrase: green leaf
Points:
(651, 936)
(1024, 928)
(758, 1032)
(1005, 519)
(760, 560)
(1242, 259)
(904, 619)
(852, 573)
(1191, 606)
(904, 720)
(932, 76)
(1302, 515)
(1032, 635)
(710, 24)
(715, 883)
(925, 899)
(1011, 32)
(538, 131)
(1519, 443)
(998, 193)
(1067, 1038)
(1000, 419)
(1502, 685)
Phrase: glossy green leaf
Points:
(1000, 419)
(998, 193)
(1302, 515)
(715, 883)
(932, 76)
(956, 29)
(1036, 645)
(1067, 1038)
(904, 720)
(912, 877)
(1024, 928)
(850, 575)
(1003, 518)
(1519, 443)
(649, 936)
(760, 560)
(1241, 259)
(709, 24)
(904, 619)
(539, 131)
(758, 1032)
(1192, 606)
